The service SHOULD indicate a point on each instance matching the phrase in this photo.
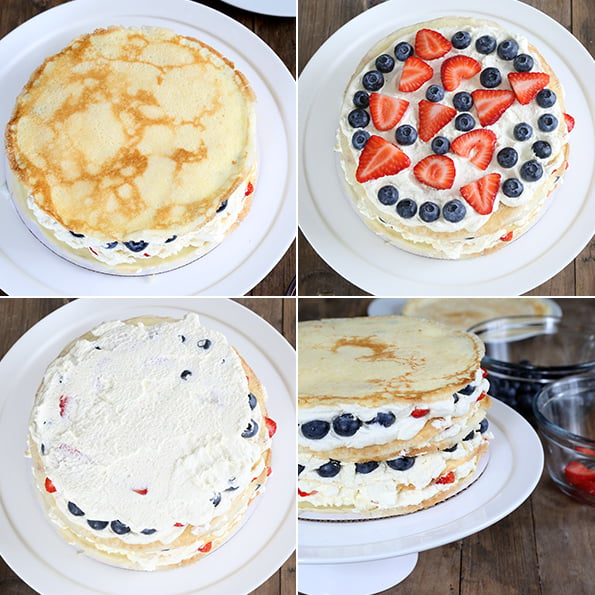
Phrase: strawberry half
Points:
(415, 73)
(49, 486)
(430, 44)
(386, 111)
(580, 476)
(271, 426)
(457, 68)
(432, 118)
(478, 145)
(490, 105)
(527, 84)
(482, 193)
(437, 171)
(569, 122)
(380, 158)
(586, 450)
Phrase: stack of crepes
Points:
(392, 414)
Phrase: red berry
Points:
(433, 117)
(490, 104)
(142, 492)
(482, 396)
(178, 524)
(249, 189)
(63, 403)
(457, 68)
(269, 471)
(478, 145)
(507, 237)
(419, 412)
(206, 547)
(446, 478)
(430, 44)
(271, 426)
(436, 171)
(380, 158)
(482, 193)
(304, 494)
(585, 450)
(526, 85)
(580, 476)
(414, 74)
(569, 122)
(49, 486)
(386, 111)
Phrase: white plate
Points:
(254, 247)
(514, 468)
(276, 8)
(343, 240)
(30, 545)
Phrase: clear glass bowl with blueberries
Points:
(526, 353)
(565, 415)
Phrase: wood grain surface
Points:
(317, 21)
(278, 33)
(18, 315)
(544, 547)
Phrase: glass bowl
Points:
(565, 414)
(525, 353)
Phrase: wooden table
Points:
(278, 33)
(318, 20)
(18, 315)
(544, 547)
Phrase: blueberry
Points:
(490, 77)
(523, 63)
(483, 425)
(173, 238)
(110, 245)
(220, 208)
(401, 464)
(508, 49)
(531, 171)
(429, 211)
(373, 80)
(547, 122)
(329, 469)
(461, 40)
(403, 50)
(512, 187)
(406, 134)
(469, 436)
(486, 44)
(216, 499)
(316, 429)
(455, 398)
(361, 99)
(148, 531)
(119, 528)
(454, 211)
(252, 401)
(406, 208)
(507, 157)
(358, 118)
(97, 525)
(545, 98)
(440, 145)
(359, 139)
(77, 235)
(136, 246)
(75, 510)
(435, 93)
(365, 468)
(182, 338)
(185, 374)
(467, 390)
(464, 122)
(300, 468)
(346, 424)
(542, 149)
(204, 344)
(385, 419)
(388, 195)
(523, 131)
(42, 448)
(462, 101)
(385, 63)
(251, 430)
(451, 449)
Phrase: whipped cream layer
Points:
(443, 413)
(143, 424)
(365, 194)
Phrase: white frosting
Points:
(406, 182)
(121, 418)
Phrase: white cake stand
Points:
(365, 557)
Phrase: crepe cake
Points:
(463, 313)
(392, 414)
(149, 439)
(134, 147)
(452, 134)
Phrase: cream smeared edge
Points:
(114, 415)
(365, 195)
(405, 426)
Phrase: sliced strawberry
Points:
(386, 111)
(49, 486)
(415, 73)
(506, 237)
(249, 191)
(178, 524)
(457, 68)
(271, 426)
(482, 396)
(63, 403)
(482, 193)
(269, 471)
(142, 492)
(430, 44)
(304, 494)
(380, 158)
(527, 84)
(585, 450)
(433, 117)
(569, 122)
(478, 145)
(206, 547)
(490, 105)
(419, 412)
(437, 171)
(446, 478)
(580, 476)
